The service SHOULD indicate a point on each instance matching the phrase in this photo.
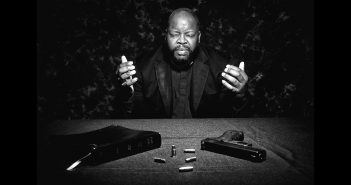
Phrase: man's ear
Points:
(198, 37)
(165, 33)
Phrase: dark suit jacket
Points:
(208, 98)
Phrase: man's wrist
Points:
(126, 92)
(241, 93)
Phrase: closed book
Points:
(103, 145)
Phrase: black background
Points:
(79, 44)
(43, 70)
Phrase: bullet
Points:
(186, 169)
(159, 160)
(190, 159)
(191, 150)
(174, 152)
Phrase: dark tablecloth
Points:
(289, 144)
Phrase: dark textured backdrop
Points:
(79, 44)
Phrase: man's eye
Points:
(174, 34)
(190, 35)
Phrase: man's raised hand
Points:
(125, 71)
(235, 77)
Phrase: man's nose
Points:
(182, 39)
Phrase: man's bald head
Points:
(184, 13)
(183, 37)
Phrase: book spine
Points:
(131, 147)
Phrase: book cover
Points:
(106, 144)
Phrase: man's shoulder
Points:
(149, 57)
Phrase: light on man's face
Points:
(182, 35)
(182, 44)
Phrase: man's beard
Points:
(182, 63)
(179, 49)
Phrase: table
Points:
(289, 143)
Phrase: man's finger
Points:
(124, 69)
(128, 75)
(124, 59)
(129, 63)
(233, 67)
(240, 68)
(242, 65)
(231, 79)
(233, 72)
(234, 89)
(130, 82)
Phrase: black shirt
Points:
(181, 81)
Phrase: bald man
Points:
(182, 79)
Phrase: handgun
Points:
(232, 143)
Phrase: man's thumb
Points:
(124, 59)
(242, 65)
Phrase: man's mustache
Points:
(180, 47)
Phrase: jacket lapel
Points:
(200, 73)
(163, 75)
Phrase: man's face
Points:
(183, 36)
